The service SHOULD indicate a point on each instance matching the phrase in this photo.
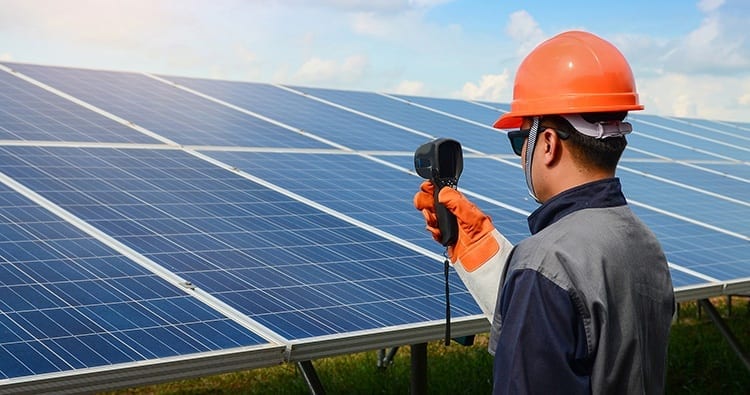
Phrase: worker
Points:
(583, 305)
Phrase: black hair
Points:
(602, 153)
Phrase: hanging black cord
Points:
(446, 265)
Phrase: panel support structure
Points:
(419, 369)
(725, 331)
(311, 377)
(386, 359)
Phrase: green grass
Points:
(700, 362)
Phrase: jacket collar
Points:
(596, 194)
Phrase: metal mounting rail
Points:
(725, 331)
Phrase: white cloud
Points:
(641, 51)
(106, 22)
(246, 55)
(405, 28)
(524, 29)
(696, 96)
(705, 73)
(720, 45)
(427, 3)
(317, 70)
(494, 87)
(683, 106)
(354, 66)
(379, 6)
(407, 87)
(709, 5)
(370, 24)
(371, 44)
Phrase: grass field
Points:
(700, 362)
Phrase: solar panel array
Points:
(160, 226)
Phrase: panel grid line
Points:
(292, 239)
(138, 258)
(87, 105)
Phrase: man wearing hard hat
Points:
(584, 305)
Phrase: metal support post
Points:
(311, 377)
(724, 329)
(419, 369)
(386, 359)
(729, 305)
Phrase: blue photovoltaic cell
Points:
(633, 154)
(504, 107)
(744, 127)
(361, 188)
(719, 255)
(462, 108)
(173, 113)
(323, 120)
(727, 215)
(692, 246)
(741, 170)
(680, 147)
(703, 250)
(296, 270)
(681, 279)
(28, 112)
(499, 181)
(69, 302)
(484, 139)
(642, 139)
(690, 176)
(486, 116)
(727, 132)
(724, 141)
(495, 180)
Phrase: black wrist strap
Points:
(446, 265)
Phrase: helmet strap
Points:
(530, 145)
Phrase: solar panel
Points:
(69, 302)
(651, 133)
(702, 178)
(248, 245)
(28, 112)
(704, 208)
(713, 137)
(732, 170)
(323, 120)
(281, 219)
(484, 115)
(472, 136)
(164, 109)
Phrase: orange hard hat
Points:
(571, 73)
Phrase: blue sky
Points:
(690, 58)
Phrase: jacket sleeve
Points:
(541, 347)
(483, 282)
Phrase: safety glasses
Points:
(518, 137)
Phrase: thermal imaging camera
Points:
(441, 161)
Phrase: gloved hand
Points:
(476, 243)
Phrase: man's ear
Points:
(551, 147)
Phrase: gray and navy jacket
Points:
(586, 302)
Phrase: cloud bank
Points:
(401, 46)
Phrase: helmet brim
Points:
(508, 121)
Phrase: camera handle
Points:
(447, 222)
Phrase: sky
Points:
(690, 58)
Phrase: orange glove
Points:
(475, 244)
(425, 202)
